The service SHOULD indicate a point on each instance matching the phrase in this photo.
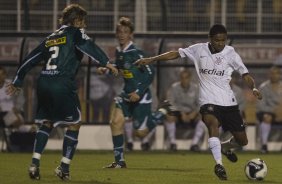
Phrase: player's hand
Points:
(11, 90)
(143, 61)
(133, 97)
(113, 69)
(102, 70)
(257, 93)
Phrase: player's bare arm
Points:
(102, 70)
(12, 90)
(248, 79)
(162, 57)
(113, 69)
(133, 97)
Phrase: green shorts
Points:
(57, 101)
(140, 113)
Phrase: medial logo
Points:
(212, 72)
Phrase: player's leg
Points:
(233, 122)
(199, 132)
(65, 109)
(142, 119)
(117, 129)
(264, 129)
(214, 144)
(128, 129)
(44, 86)
(145, 142)
(209, 118)
(238, 140)
(69, 146)
(40, 142)
(213, 141)
(170, 126)
(154, 118)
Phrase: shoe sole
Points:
(221, 178)
(33, 177)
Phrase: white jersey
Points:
(214, 72)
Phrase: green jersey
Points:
(61, 53)
(136, 79)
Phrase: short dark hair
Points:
(217, 29)
(72, 12)
(125, 21)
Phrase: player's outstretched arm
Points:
(162, 57)
(248, 79)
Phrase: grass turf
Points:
(153, 167)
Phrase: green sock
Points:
(118, 142)
(40, 142)
(69, 147)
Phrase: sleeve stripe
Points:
(94, 59)
(25, 63)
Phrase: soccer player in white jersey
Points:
(214, 63)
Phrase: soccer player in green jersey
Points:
(58, 102)
(134, 103)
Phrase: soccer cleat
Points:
(264, 149)
(231, 156)
(63, 175)
(173, 147)
(195, 148)
(116, 165)
(129, 146)
(34, 172)
(168, 108)
(220, 172)
(145, 146)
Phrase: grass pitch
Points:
(153, 167)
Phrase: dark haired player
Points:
(214, 63)
(58, 103)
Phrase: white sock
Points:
(229, 144)
(149, 136)
(264, 132)
(128, 128)
(215, 147)
(171, 130)
(199, 132)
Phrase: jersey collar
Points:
(125, 48)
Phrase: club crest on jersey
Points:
(212, 72)
(218, 60)
(127, 65)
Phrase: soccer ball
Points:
(256, 169)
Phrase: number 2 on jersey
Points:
(53, 56)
